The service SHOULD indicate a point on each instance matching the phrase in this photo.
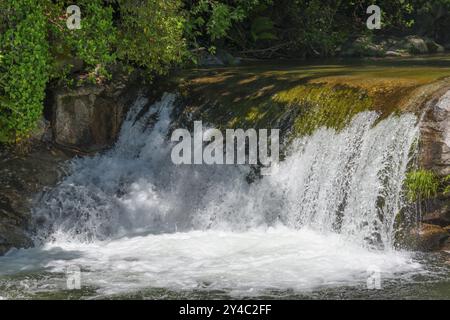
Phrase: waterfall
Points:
(132, 220)
(347, 182)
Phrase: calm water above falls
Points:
(139, 226)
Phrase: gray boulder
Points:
(88, 117)
(416, 45)
(434, 47)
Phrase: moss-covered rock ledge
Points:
(297, 98)
(325, 93)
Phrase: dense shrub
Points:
(24, 68)
(93, 44)
(36, 46)
(151, 34)
(421, 185)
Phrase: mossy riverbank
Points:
(322, 93)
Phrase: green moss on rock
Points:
(324, 106)
(312, 95)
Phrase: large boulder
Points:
(362, 47)
(88, 117)
(416, 45)
(390, 46)
(434, 155)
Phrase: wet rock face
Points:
(438, 212)
(22, 177)
(435, 156)
(89, 117)
(84, 119)
(435, 137)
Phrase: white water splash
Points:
(137, 220)
(249, 263)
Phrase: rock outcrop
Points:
(428, 237)
(434, 155)
(435, 137)
(84, 119)
(88, 117)
(390, 47)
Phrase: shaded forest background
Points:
(37, 48)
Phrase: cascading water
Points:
(132, 219)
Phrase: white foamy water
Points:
(246, 263)
(131, 219)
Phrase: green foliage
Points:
(332, 107)
(433, 19)
(302, 27)
(262, 28)
(151, 34)
(23, 67)
(208, 21)
(93, 44)
(320, 35)
(421, 185)
(37, 46)
(446, 182)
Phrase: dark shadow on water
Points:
(33, 259)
